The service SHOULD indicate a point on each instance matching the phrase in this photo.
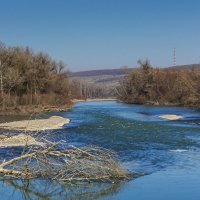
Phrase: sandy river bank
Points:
(23, 139)
(54, 122)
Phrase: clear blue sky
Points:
(94, 34)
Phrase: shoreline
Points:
(51, 123)
(156, 104)
(38, 109)
(19, 140)
(27, 110)
(91, 100)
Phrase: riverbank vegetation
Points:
(84, 89)
(156, 86)
(30, 79)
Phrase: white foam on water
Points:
(179, 150)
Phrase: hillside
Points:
(112, 76)
(108, 77)
(112, 72)
(191, 66)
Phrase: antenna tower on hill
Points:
(174, 57)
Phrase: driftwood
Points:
(56, 162)
(61, 161)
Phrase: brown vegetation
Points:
(96, 83)
(148, 85)
(28, 78)
(85, 88)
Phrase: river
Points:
(167, 152)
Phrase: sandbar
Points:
(54, 122)
(171, 117)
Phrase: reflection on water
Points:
(44, 189)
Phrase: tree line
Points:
(28, 78)
(82, 89)
(148, 85)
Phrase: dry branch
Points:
(89, 163)
(61, 162)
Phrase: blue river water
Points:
(167, 152)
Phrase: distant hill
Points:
(194, 66)
(112, 72)
(105, 77)
(111, 77)
(118, 72)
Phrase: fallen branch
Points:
(61, 162)
(85, 164)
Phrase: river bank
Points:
(52, 123)
(30, 109)
(91, 100)
(26, 110)
(36, 125)
(19, 140)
